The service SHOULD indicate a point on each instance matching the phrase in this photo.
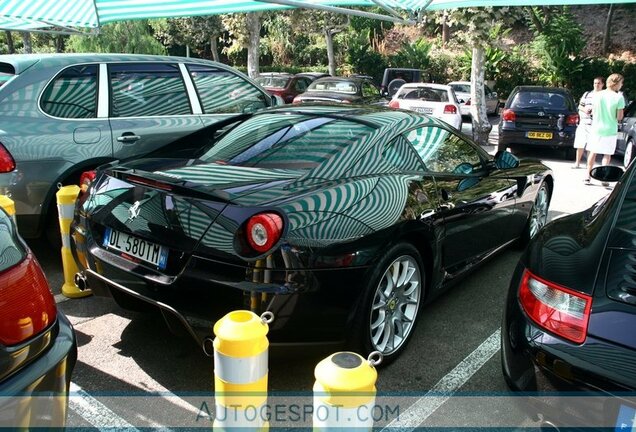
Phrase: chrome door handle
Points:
(128, 138)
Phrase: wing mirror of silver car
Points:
(607, 173)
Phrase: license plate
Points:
(137, 248)
(423, 110)
(626, 419)
(540, 135)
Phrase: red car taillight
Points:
(509, 115)
(86, 179)
(28, 307)
(450, 109)
(572, 120)
(7, 164)
(297, 100)
(394, 103)
(264, 231)
(555, 308)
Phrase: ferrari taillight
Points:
(264, 231)
(394, 103)
(7, 164)
(555, 308)
(86, 179)
(28, 307)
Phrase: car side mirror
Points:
(506, 160)
(607, 173)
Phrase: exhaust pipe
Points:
(80, 281)
(547, 426)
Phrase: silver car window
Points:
(72, 94)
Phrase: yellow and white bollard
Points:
(240, 371)
(66, 197)
(344, 392)
(9, 206)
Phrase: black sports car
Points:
(340, 220)
(568, 326)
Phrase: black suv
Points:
(394, 78)
(539, 116)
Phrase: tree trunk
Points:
(330, 53)
(214, 48)
(10, 46)
(26, 41)
(59, 44)
(254, 32)
(535, 19)
(607, 37)
(445, 29)
(481, 125)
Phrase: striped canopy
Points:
(73, 14)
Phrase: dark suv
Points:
(539, 116)
(63, 114)
(394, 78)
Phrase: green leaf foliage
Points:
(134, 37)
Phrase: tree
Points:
(198, 33)
(245, 32)
(474, 28)
(10, 46)
(26, 42)
(607, 37)
(133, 37)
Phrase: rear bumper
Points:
(37, 395)
(511, 137)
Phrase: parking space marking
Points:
(417, 413)
(95, 412)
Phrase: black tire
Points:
(401, 304)
(538, 216)
(569, 153)
(629, 153)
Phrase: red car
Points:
(284, 85)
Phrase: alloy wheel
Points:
(395, 305)
(539, 214)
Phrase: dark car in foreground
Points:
(535, 116)
(37, 343)
(342, 221)
(570, 315)
(626, 138)
(287, 86)
(341, 90)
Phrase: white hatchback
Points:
(436, 100)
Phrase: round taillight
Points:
(264, 230)
(394, 103)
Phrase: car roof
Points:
(356, 79)
(429, 85)
(21, 62)
(541, 89)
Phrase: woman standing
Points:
(607, 111)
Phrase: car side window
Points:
(368, 90)
(147, 89)
(72, 94)
(444, 152)
(399, 154)
(301, 85)
(222, 91)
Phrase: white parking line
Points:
(95, 412)
(417, 413)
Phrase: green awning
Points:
(74, 14)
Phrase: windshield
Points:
(542, 100)
(273, 81)
(427, 94)
(286, 141)
(347, 87)
(461, 88)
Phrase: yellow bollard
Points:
(66, 197)
(9, 206)
(240, 371)
(344, 392)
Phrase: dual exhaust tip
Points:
(80, 281)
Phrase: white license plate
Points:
(423, 110)
(137, 248)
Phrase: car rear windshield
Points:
(273, 82)
(347, 87)
(427, 94)
(461, 88)
(543, 100)
(286, 141)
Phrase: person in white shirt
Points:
(582, 137)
